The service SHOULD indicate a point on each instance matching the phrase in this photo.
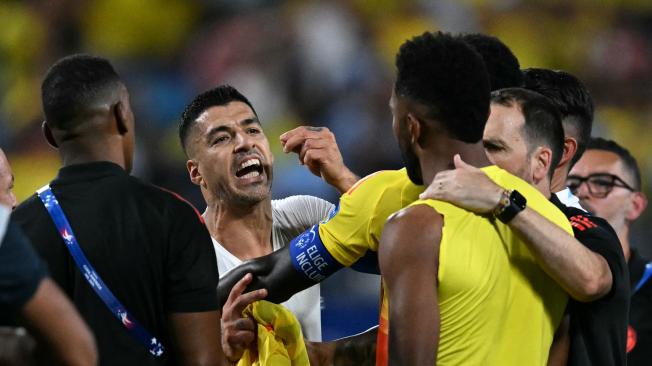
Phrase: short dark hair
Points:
(502, 66)
(448, 77)
(72, 84)
(221, 95)
(629, 161)
(542, 120)
(571, 98)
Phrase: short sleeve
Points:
(597, 235)
(348, 232)
(300, 212)
(191, 267)
(21, 270)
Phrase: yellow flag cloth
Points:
(280, 341)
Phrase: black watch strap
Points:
(516, 204)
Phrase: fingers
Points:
(237, 301)
(293, 139)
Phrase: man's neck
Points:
(473, 154)
(245, 231)
(623, 236)
(89, 151)
(559, 176)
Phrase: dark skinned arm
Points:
(558, 354)
(273, 272)
(197, 338)
(53, 318)
(409, 262)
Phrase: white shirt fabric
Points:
(290, 217)
(569, 199)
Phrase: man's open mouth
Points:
(249, 168)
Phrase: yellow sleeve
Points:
(361, 214)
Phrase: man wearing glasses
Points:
(608, 182)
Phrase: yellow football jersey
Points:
(497, 307)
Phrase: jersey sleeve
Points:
(191, 267)
(596, 234)
(301, 211)
(349, 231)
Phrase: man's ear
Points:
(542, 161)
(570, 149)
(193, 171)
(121, 117)
(639, 203)
(414, 128)
(49, 137)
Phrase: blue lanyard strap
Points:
(63, 226)
(644, 278)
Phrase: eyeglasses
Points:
(599, 185)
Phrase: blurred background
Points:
(323, 63)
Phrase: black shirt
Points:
(21, 271)
(639, 342)
(150, 248)
(598, 329)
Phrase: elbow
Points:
(594, 287)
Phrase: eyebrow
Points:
(224, 128)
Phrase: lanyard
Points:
(644, 278)
(63, 226)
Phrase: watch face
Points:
(518, 200)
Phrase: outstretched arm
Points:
(409, 263)
(318, 150)
(581, 272)
(273, 272)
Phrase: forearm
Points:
(582, 273)
(273, 272)
(51, 315)
(345, 181)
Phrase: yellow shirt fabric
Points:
(279, 341)
(497, 307)
(362, 213)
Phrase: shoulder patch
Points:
(582, 222)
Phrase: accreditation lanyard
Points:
(644, 278)
(63, 226)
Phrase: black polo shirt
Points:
(598, 329)
(639, 342)
(151, 249)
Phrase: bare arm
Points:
(51, 315)
(273, 272)
(409, 262)
(558, 355)
(318, 150)
(197, 338)
(356, 350)
(581, 272)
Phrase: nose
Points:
(12, 197)
(582, 191)
(243, 142)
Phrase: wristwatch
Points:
(511, 203)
